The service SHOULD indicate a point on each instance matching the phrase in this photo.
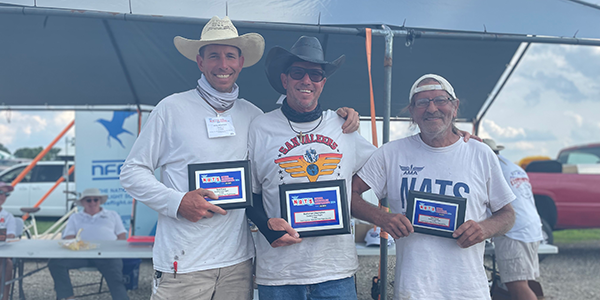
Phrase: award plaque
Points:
(435, 214)
(230, 181)
(316, 208)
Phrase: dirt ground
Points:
(571, 274)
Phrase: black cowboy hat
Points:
(306, 48)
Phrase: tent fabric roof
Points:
(560, 18)
(79, 59)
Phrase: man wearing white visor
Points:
(436, 161)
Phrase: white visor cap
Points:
(372, 238)
(443, 85)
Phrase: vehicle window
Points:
(12, 175)
(582, 158)
(72, 176)
(47, 173)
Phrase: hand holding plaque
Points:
(435, 214)
(230, 181)
(291, 237)
(316, 208)
(194, 205)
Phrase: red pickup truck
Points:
(567, 190)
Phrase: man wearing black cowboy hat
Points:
(200, 251)
(300, 143)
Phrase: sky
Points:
(550, 102)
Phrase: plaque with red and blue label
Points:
(227, 185)
(315, 208)
(435, 215)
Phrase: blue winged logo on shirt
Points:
(410, 170)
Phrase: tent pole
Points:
(387, 107)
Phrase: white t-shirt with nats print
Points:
(427, 266)
(279, 157)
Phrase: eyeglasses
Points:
(315, 75)
(5, 193)
(89, 200)
(438, 101)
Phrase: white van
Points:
(35, 185)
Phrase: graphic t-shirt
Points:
(280, 156)
(427, 266)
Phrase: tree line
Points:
(31, 153)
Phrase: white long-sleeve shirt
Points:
(174, 136)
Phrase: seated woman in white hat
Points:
(98, 224)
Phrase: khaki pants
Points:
(233, 282)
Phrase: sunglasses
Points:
(5, 193)
(89, 200)
(315, 75)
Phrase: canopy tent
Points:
(79, 59)
(558, 18)
(68, 60)
(73, 59)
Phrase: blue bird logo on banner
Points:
(115, 126)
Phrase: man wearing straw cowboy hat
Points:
(301, 143)
(96, 224)
(200, 250)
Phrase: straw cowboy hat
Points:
(222, 32)
(92, 192)
(492, 144)
(306, 48)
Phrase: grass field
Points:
(576, 235)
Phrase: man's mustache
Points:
(436, 114)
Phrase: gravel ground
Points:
(573, 274)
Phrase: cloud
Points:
(6, 136)
(498, 132)
(512, 134)
(18, 125)
(587, 132)
(63, 118)
(560, 71)
(522, 145)
(576, 117)
(534, 97)
(19, 129)
(559, 83)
